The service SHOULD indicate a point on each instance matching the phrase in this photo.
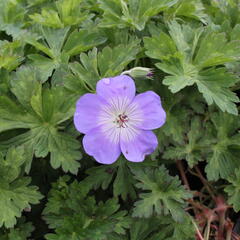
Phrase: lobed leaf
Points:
(163, 194)
(15, 192)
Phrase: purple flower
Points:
(114, 120)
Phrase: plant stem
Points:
(229, 234)
(205, 182)
(207, 230)
(197, 230)
(221, 224)
(182, 173)
(196, 205)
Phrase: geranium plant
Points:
(119, 119)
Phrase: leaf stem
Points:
(229, 234)
(207, 230)
(182, 173)
(221, 224)
(197, 230)
(205, 182)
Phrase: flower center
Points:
(122, 120)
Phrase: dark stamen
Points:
(122, 120)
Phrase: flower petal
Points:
(102, 144)
(136, 144)
(120, 86)
(146, 111)
(88, 109)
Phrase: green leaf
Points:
(233, 190)
(100, 176)
(15, 192)
(160, 46)
(119, 173)
(163, 194)
(11, 12)
(71, 83)
(223, 158)
(107, 63)
(11, 55)
(48, 17)
(185, 230)
(70, 12)
(4, 82)
(193, 9)
(11, 166)
(22, 231)
(12, 19)
(41, 46)
(12, 116)
(214, 85)
(62, 13)
(24, 84)
(215, 49)
(64, 151)
(143, 228)
(124, 182)
(72, 213)
(159, 228)
(42, 111)
(132, 13)
(175, 125)
(55, 38)
(82, 40)
(183, 75)
(111, 61)
(186, 56)
(191, 150)
(44, 65)
(52, 46)
(87, 72)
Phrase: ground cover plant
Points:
(54, 185)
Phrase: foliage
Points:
(233, 190)
(109, 62)
(119, 173)
(166, 195)
(16, 194)
(21, 232)
(75, 215)
(195, 56)
(41, 110)
(54, 51)
(220, 145)
(135, 14)
(223, 159)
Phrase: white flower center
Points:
(120, 117)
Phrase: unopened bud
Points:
(139, 72)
